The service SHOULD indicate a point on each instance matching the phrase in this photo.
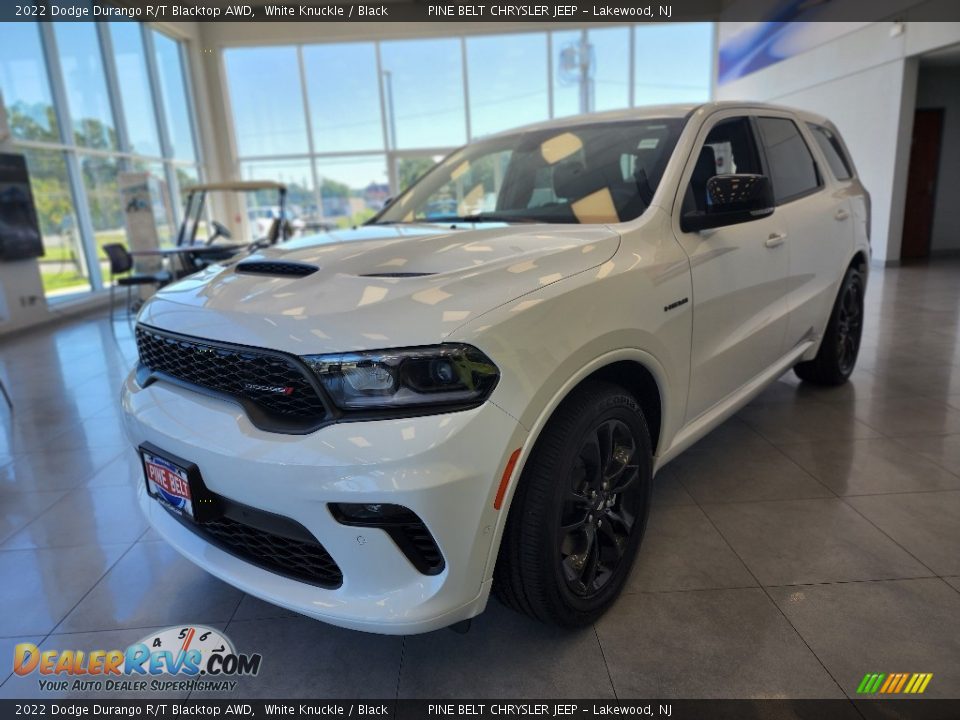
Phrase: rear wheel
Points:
(841, 342)
(580, 509)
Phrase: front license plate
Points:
(168, 482)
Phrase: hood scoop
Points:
(278, 268)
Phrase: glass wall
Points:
(424, 97)
(566, 74)
(268, 112)
(354, 187)
(672, 63)
(344, 97)
(507, 80)
(174, 99)
(64, 264)
(350, 124)
(610, 49)
(25, 84)
(133, 80)
(86, 103)
(85, 85)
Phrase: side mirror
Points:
(732, 199)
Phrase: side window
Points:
(793, 171)
(728, 148)
(832, 151)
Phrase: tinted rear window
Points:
(832, 151)
(792, 169)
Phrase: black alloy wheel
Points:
(602, 505)
(849, 324)
(837, 356)
(580, 509)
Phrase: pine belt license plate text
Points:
(168, 482)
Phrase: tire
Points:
(841, 342)
(570, 577)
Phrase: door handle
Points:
(775, 240)
(841, 214)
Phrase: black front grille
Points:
(298, 559)
(276, 391)
(280, 268)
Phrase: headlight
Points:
(443, 375)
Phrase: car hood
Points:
(377, 286)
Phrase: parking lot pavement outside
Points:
(811, 539)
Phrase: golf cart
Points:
(219, 244)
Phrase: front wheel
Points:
(580, 509)
(841, 342)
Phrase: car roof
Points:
(650, 112)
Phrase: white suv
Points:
(377, 426)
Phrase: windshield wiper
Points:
(481, 218)
(456, 219)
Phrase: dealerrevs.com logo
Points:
(198, 658)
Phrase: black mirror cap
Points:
(732, 199)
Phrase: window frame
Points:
(768, 169)
(833, 139)
(688, 163)
(756, 142)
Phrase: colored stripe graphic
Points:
(903, 680)
(870, 683)
(894, 683)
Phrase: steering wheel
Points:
(219, 230)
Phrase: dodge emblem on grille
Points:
(275, 389)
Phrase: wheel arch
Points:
(634, 377)
(636, 371)
(639, 373)
(859, 260)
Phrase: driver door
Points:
(739, 272)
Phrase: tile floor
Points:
(811, 539)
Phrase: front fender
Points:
(543, 355)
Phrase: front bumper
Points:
(445, 468)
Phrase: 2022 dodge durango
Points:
(377, 427)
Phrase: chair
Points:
(121, 262)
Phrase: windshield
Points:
(598, 173)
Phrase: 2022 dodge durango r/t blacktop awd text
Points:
(376, 427)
